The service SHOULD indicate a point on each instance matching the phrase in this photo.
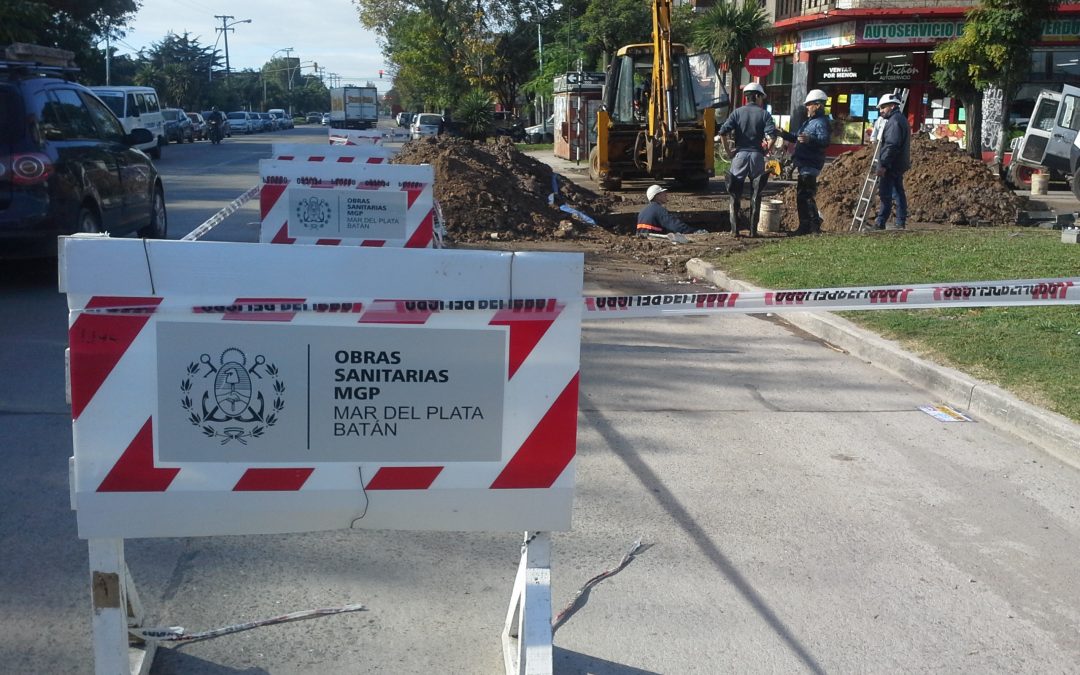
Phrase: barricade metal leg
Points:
(116, 607)
(527, 632)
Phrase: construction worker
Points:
(753, 129)
(809, 157)
(655, 218)
(894, 158)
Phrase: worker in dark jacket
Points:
(894, 158)
(753, 129)
(654, 218)
(809, 157)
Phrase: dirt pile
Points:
(493, 191)
(944, 186)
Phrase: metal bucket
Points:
(772, 212)
(1040, 182)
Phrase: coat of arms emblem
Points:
(232, 406)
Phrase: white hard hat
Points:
(888, 99)
(816, 96)
(753, 88)
(653, 191)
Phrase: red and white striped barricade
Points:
(306, 152)
(346, 203)
(222, 388)
(355, 137)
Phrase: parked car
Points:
(541, 133)
(198, 126)
(404, 119)
(177, 126)
(282, 117)
(241, 122)
(325, 121)
(226, 127)
(137, 107)
(67, 164)
(270, 123)
(425, 124)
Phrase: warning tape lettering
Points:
(927, 296)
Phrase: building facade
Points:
(858, 50)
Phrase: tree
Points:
(75, 25)
(611, 24)
(728, 32)
(440, 49)
(177, 67)
(953, 60)
(1003, 32)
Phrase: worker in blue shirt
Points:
(809, 157)
(753, 129)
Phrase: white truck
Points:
(354, 107)
(1051, 140)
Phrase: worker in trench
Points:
(656, 219)
(752, 129)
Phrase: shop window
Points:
(778, 89)
(1065, 66)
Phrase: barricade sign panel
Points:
(346, 203)
(223, 388)
(306, 152)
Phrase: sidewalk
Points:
(1056, 434)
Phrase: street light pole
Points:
(284, 49)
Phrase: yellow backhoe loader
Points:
(649, 125)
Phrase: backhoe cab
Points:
(649, 125)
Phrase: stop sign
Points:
(759, 62)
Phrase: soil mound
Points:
(493, 191)
(944, 186)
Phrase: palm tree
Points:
(728, 32)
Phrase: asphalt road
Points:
(798, 514)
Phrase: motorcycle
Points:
(215, 131)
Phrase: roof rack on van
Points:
(38, 59)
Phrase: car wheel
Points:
(159, 221)
(1076, 183)
(88, 221)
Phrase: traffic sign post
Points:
(759, 62)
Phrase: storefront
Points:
(857, 60)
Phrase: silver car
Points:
(425, 124)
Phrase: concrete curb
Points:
(1056, 434)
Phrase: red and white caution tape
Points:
(1026, 292)
(221, 215)
(1016, 293)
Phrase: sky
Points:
(327, 32)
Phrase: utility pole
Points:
(224, 30)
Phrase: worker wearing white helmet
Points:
(811, 140)
(894, 159)
(752, 129)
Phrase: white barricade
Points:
(346, 203)
(306, 152)
(222, 388)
